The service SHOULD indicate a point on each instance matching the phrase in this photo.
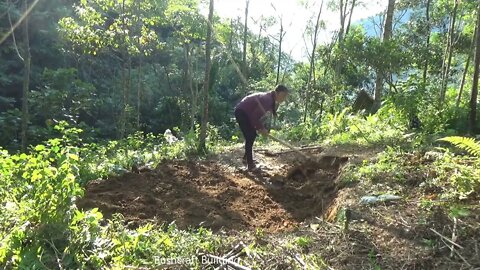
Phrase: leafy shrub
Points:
(37, 191)
(387, 167)
(452, 176)
(459, 175)
(94, 246)
(40, 226)
(388, 124)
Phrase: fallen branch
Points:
(456, 252)
(232, 255)
(446, 238)
(231, 258)
(404, 222)
(57, 252)
(461, 257)
(454, 236)
(300, 261)
(476, 248)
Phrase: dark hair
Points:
(278, 89)
(281, 88)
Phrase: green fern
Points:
(467, 144)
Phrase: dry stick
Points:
(476, 248)
(231, 258)
(59, 261)
(300, 261)
(228, 262)
(446, 238)
(454, 236)
(456, 252)
(463, 259)
(234, 253)
(404, 223)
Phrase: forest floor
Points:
(296, 196)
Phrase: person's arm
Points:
(257, 123)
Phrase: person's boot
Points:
(253, 168)
(244, 160)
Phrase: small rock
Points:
(380, 198)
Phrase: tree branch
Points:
(13, 33)
(2, 39)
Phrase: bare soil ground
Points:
(219, 193)
(301, 197)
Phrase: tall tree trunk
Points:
(343, 16)
(280, 41)
(387, 34)
(245, 32)
(167, 76)
(129, 90)
(465, 71)
(344, 28)
(253, 49)
(347, 29)
(312, 64)
(338, 64)
(139, 90)
(232, 34)
(125, 66)
(427, 46)
(462, 85)
(26, 79)
(123, 117)
(449, 53)
(126, 85)
(208, 51)
(189, 82)
(473, 99)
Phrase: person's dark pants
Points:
(249, 133)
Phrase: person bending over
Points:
(249, 113)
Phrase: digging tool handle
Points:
(287, 145)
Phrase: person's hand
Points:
(263, 132)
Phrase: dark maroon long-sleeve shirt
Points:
(256, 106)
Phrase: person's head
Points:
(281, 93)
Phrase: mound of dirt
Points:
(208, 193)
